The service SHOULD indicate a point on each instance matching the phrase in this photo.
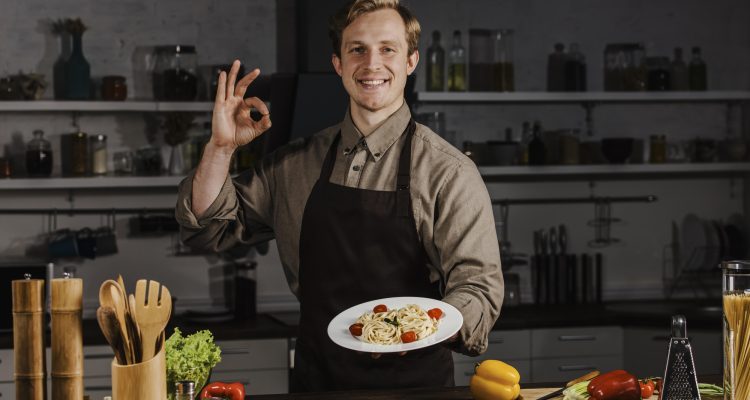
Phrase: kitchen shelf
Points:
(98, 182)
(583, 97)
(612, 170)
(104, 106)
(489, 172)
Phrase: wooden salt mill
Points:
(28, 338)
(67, 339)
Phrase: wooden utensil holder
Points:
(142, 381)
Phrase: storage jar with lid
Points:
(175, 76)
(736, 312)
(503, 77)
(39, 156)
(98, 158)
(480, 60)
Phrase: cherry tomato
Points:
(435, 313)
(408, 337)
(356, 329)
(380, 308)
(646, 390)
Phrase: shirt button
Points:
(347, 150)
(377, 154)
(356, 167)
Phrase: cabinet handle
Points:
(576, 367)
(235, 352)
(98, 356)
(576, 338)
(97, 388)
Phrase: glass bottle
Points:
(435, 65)
(679, 78)
(98, 157)
(503, 78)
(697, 71)
(526, 137)
(184, 390)
(736, 332)
(79, 153)
(575, 70)
(556, 69)
(537, 149)
(175, 76)
(457, 68)
(39, 156)
(658, 73)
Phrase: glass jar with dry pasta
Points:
(736, 299)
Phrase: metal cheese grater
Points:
(680, 381)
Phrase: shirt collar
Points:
(381, 139)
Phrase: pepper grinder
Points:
(67, 339)
(28, 338)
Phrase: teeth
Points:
(377, 82)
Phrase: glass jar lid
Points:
(736, 265)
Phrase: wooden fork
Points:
(152, 312)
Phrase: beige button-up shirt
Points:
(452, 210)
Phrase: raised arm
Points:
(231, 127)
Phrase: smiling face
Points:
(375, 62)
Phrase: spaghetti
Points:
(737, 346)
(403, 325)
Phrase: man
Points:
(376, 206)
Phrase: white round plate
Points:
(338, 328)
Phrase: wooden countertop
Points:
(454, 393)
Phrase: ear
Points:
(412, 61)
(336, 61)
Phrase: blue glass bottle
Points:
(77, 73)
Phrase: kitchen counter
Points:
(699, 314)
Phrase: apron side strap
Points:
(403, 202)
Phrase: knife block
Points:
(142, 381)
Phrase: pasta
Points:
(403, 325)
(737, 312)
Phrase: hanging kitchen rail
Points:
(71, 211)
(574, 200)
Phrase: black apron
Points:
(358, 245)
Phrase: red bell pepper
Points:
(231, 391)
(617, 384)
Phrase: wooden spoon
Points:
(153, 304)
(110, 296)
(111, 329)
(136, 330)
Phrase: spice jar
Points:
(98, 154)
(39, 156)
(114, 88)
(175, 73)
(657, 149)
(75, 153)
(736, 308)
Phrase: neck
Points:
(367, 121)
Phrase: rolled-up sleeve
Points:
(465, 237)
(240, 214)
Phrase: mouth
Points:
(370, 84)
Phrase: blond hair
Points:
(356, 8)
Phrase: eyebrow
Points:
(361, 43)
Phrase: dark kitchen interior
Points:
(613, 138)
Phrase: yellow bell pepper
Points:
(495, 380)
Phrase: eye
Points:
(357, 50)
(389, 50)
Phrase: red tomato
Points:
(408, 337)
(380, 308)
(356, 329)
(435, 313)
(646, 390)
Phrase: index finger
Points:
(246, 80)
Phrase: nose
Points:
(374, 60)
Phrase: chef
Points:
(376, 206)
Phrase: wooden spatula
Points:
(110, 296)
(111, 329)
(153, 306)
